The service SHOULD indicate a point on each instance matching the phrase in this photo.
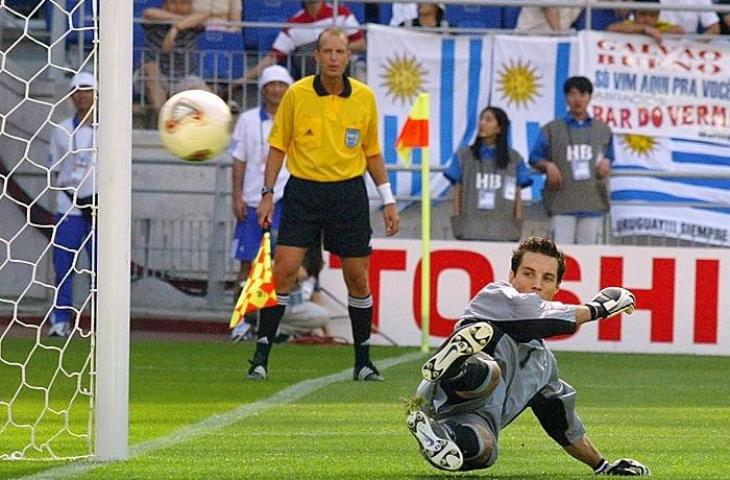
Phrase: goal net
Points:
(49, 144)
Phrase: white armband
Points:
(385, 194)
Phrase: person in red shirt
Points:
(299, 43)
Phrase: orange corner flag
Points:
(414, 133)
(259, 291)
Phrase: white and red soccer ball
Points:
(195, 125)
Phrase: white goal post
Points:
(115, 187)
(64, 392)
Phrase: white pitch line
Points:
(218, 421)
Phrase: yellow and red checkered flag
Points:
(414, 133)
(259, 291)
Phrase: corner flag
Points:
(259, 291)
(414, 133)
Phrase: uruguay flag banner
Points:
(454, 71)
(529, 73)
(695, 172)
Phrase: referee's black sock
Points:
(361, 318)
(269, 320)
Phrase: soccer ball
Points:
(195, 125)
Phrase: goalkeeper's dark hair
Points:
(541, 245)
(501, 144)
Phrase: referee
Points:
(327, 128)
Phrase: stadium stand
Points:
(80, 20)
(358, 9)
(509, 17)
(222, 53)
(384, 13)
(138, 33)
(24, 7)
(470, 16)
(601, 18)
(261, 39)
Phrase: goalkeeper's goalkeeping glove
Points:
(611, 301)
(625, 467)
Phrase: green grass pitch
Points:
(670, 412)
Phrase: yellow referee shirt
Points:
(326, 137)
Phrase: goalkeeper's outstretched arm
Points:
(605, 304)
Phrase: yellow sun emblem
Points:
(639, 144)
(403, 77)
(519, 83)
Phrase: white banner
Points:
(455, 72)
(696, 223)
(683, 299)
(679, 87)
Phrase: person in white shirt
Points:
(556, 19)
(402, 12)
(249, 148)
(691, 21)
(71, 160)
(304, 313)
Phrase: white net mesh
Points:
(47, 279)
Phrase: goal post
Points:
(115, 182)
(64, 381)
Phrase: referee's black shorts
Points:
(337, 211)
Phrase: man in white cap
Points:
(249, 148)
(71, 160)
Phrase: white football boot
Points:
(435, 443)
(464, 342)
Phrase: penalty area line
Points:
(217, 422)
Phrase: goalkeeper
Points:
(495, 365)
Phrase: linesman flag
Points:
(414, 133)
(259, 291)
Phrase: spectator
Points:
(691, 21)
(429, 15)
(304, 312)
(299, 43)
(601, 18)
(724, 18)
(168, 44)
(327, 127)
(646, 22)
(487, 177)
(220, 14)
(575, 153)
(403, 12)
(71, 161)
(248, 149)
(540, 19)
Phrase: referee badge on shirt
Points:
(352, 137)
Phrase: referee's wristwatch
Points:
(266, 190)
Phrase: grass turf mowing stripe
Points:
(219, 421)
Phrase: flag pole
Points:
(426, 249)
(415, 134)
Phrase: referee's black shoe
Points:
(257, 372)
(367, 373)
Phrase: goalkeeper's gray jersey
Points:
(529, 369)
